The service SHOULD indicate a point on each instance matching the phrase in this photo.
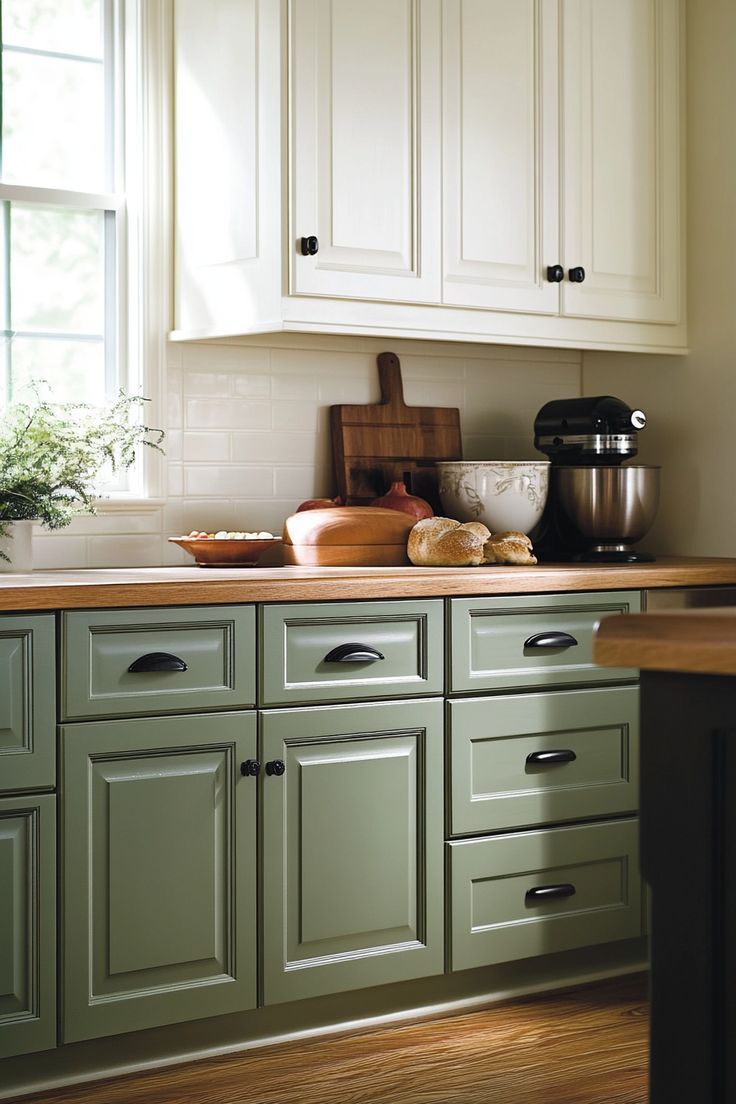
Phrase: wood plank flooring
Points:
(579, 1046)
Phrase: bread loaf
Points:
(442, 542)
(510, 547)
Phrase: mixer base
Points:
(616, 556)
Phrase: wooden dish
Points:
(209, 552)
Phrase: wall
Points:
(248, 431)
(691, 401)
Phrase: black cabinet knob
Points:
(250, 768)
(310, 245)
(156, 661)
(555, 274)
(275, 767)
(576, 275)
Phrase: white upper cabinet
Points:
(621, 163)
(479, 170)
(500, 155)
(365, 142)
(227, 179)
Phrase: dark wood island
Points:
(688, 841)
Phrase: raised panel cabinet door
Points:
(352, 844)
(227, 157)
(27, 702)
(500, 154)
(621, 174)
(27, 924)
(159, 855)
(365, 136)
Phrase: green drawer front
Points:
(490, 640)
(27, 924)
(494, 918)
(217, 644)
(27, 702)
(494, 785)
(296, 640)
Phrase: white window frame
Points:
(141, 36)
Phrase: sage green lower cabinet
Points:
(534, 893)
(338, 651)
(27, 924)
(518, 760)
(27, 702)
(159, 860)
(352, 845)
(532, 640)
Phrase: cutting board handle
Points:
(389, 374)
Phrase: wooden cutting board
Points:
(375, 444)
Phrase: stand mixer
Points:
(598, 506)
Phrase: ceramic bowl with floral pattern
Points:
(503, 494)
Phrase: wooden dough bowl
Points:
(347, 536)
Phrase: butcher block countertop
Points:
(688, 641)
(181, 586)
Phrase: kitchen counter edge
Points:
(182, 586)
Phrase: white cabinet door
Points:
(365, 142)
(621, 168)
(500, 156)
(227, 148)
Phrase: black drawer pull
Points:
(540, 894)
(157, 661)
(276, 767)
(543, 757)
(550, 640)
(251, 768)
(353, 653)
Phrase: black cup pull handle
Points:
(566, 755)
(276, 767)
(157, 661)
(550, 640)
(353, 653)
(540, 894)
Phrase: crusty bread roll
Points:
(508, 548)
(442, 542)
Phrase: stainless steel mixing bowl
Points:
(611, 507)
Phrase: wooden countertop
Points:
(172, 586)
(691, 641)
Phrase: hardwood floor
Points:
(578, 1046)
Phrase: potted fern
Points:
(51, 458)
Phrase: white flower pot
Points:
(18, 547)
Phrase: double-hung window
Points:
(73, 275)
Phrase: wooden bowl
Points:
(209, 552)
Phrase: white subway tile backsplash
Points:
(124, 551)
(227, 414)
(219, 481)
(201, 447)
(248, 429)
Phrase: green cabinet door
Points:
(27, 924)
(352, 843)
(159, 858)
(27, 702)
